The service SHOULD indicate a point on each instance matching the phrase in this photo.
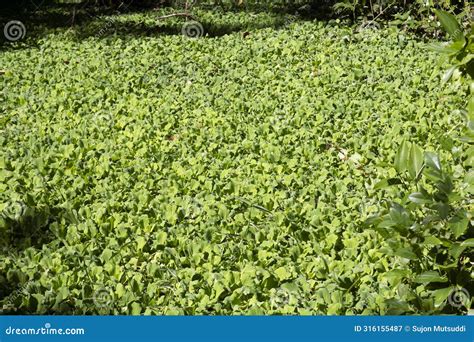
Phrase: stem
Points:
(187, 15)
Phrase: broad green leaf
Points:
(106, 254)
(419, 198)
(430, 277)
(290, 287)
(120, 290)
(384, 183)
(432, 240)
(468, 243)
(415, 161)
(458, 226)
(401, 158)
(161, 238)
(442, 48)
(136, 309)
(447, 75)
(471, 104)
(399, 215)
(450, 24)
(441, 295)
(406, 253)
(282, 273)
(456, 250)
(141, 242)
(396, 276)
(432, 160)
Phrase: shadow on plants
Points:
(101, 22)
(22, 227)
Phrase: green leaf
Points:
(430, 277)
(106, 254)
(468, 243)
(432, 160)
(384, 183)
(447, 75)
(120, 290)
(136, 309)
(450, 24)
(406, 253)
(399, 215)
(456, 250)
(396, 276)
(401, 158)
(470, 105)
(458, 226)
(161, 238)
(419, 198)
(282, 273)
(141, 242)
(441, 295)
(415, 162)
(290, 287)
(432, 240)
(441, 48)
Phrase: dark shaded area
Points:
(26, 227)
(41, 16)
(21, 227)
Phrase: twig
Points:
(73, 15)
(187, 15)
(373, 20)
